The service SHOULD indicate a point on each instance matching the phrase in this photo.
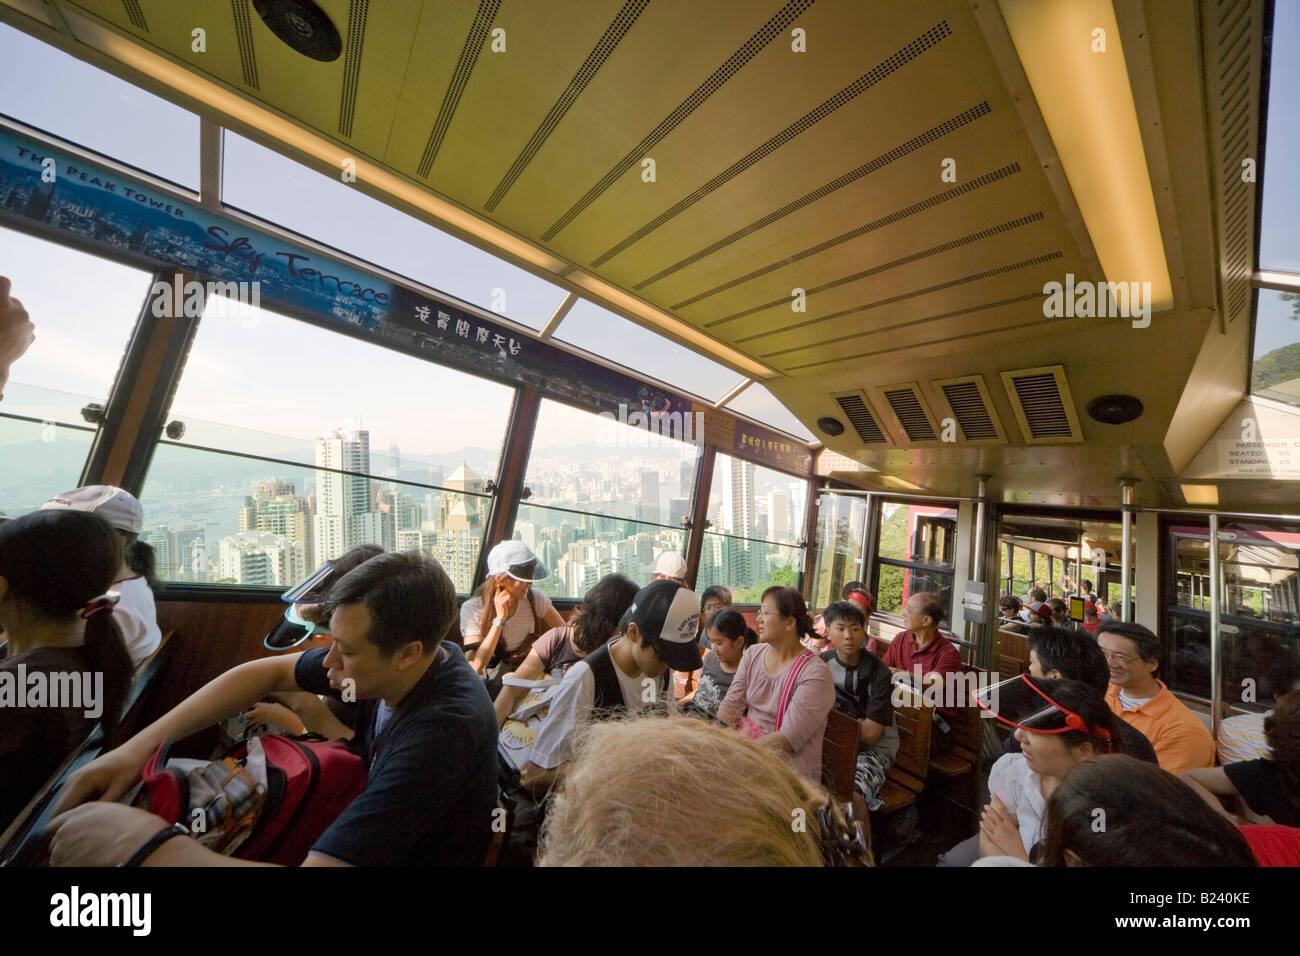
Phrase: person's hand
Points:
(274, 715)
(505, 604)
(17, 332)
(1000, 826)
(100, 834)
(819, 626)
(107, 777)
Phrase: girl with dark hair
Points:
(1269, 789)
(54, 568)
(728, 635)
(135, 614)
(1059, 724)
(593, 624)
(782, 693)
(1151, 819)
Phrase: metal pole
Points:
(977, 567)
(1216, 687)
(1126, 551)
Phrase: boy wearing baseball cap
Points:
(656, 633)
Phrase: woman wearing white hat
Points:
(500, 623)
(136, 615)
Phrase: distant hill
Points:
(1277, 366)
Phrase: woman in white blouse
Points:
(1059, 723)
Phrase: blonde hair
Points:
(677, 791)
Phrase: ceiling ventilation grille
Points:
(968, 400)
(1043, 405)
(475, 41)
(1234, 41)
(613, 35)
(810, 119)
(821, 192)
(855, 408)
(773, 28)
(907, 404)
(357, 11)
(244, 38)
(136, 15)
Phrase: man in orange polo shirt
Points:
(1132, 652)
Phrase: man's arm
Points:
(17, 332)
(1211, 783)
(109, 776)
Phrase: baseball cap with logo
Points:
(668, 614)
(516, 559)
(119, 508)
(670, 564)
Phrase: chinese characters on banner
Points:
(482, 335)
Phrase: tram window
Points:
(914, 554)
(264, 183)
(1275, 371)
(761, 405)
(841, 524)
(1279, 234)
(44, 87)
(1259, 612)
(84, 308)
(603, 333)
(758, 516)
(605, 498)
(415, 442)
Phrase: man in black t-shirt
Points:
(426, 730)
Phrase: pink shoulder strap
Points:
(788, 688)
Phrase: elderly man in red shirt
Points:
(921, 646)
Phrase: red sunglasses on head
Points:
(1020, 711)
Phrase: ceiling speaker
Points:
(1114, 409)
(831, 426)
(303, 25)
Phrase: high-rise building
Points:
(738, 499)
(778, 515)
(648, 502)
(686, 477)
(340, 498)
(167, 553)
(261, 558)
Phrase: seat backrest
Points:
(965, 722)
(914, 720)
(839, 754)
(1013, 654)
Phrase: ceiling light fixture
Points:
(1074, 62)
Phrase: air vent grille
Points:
(972, 414)
(911, 415)
(1043, 405)
(1234, 31)
(859, 415)
(136, 15)
(244, 39)
(356, 41)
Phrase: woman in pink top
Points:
(779, 667)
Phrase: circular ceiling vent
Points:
(831, 426)
(1114, 409)
(303, 25)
